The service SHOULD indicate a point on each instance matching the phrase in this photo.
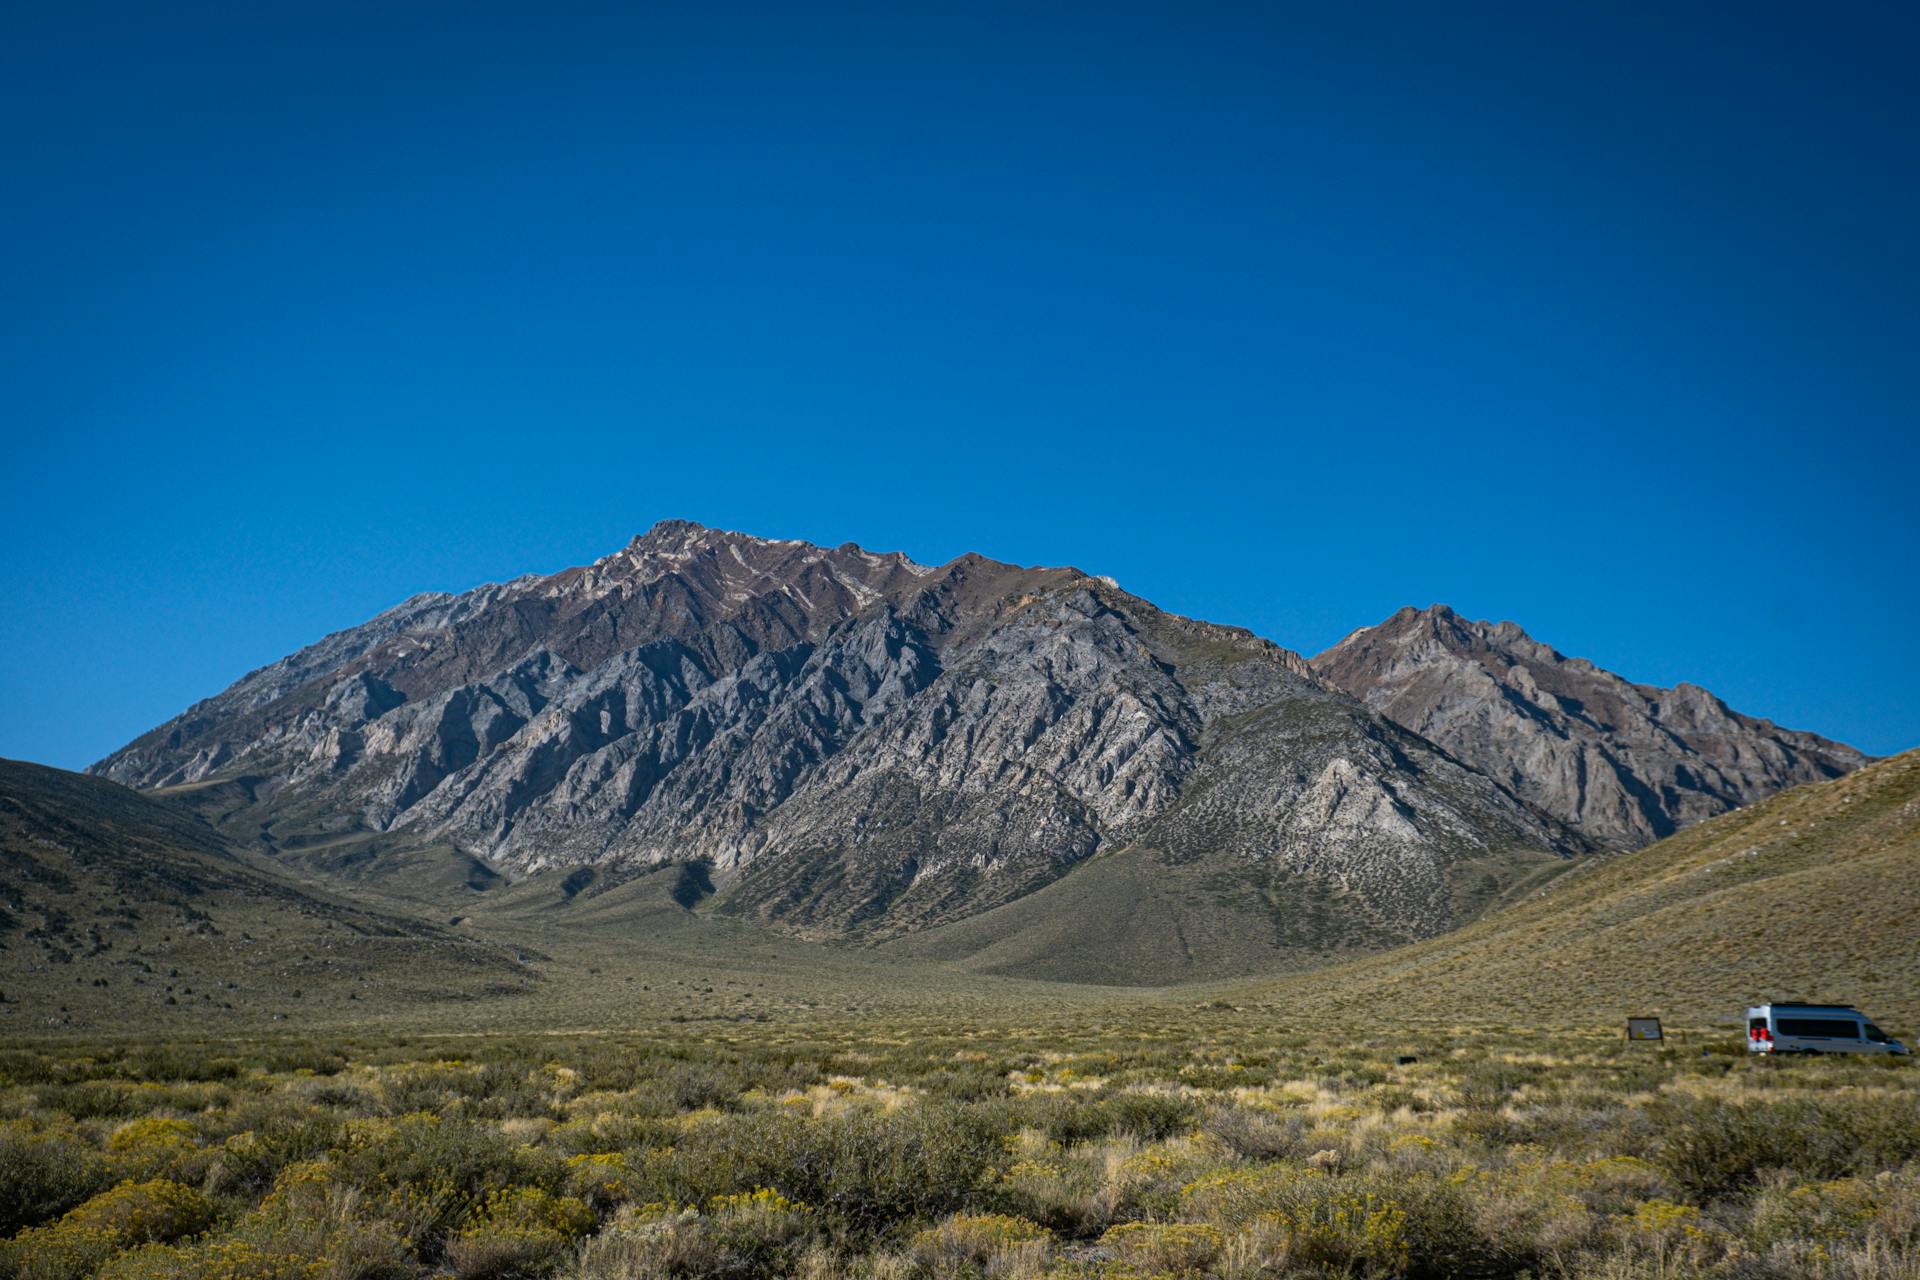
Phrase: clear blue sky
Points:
(1599, 318)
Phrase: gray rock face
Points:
(1624, 763)
(859, 744)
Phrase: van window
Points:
(1875, 1034)
(1828, 1028)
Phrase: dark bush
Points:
(1256, 1135)
(1710, 1148)
(500, 1090)
(305, 1057)
(1151, 1117)
(469, 1160)
(1490, 1085)
(173, 1064)
(865, 1171)
(19, 1066)
(249, 1163)
(43, 1177)
(93, 1100)
(972, 1084)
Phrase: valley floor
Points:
(213, 1067)
(1114, 1138)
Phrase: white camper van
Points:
(1815, 1028)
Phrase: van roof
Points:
(1796, 1004)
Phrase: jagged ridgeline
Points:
(861, 746)
(1625, 763)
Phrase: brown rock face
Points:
(1623, 763)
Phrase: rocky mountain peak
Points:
(680, 542)
(1440, 621)
(1414, 635)
(717, 574)
(673, 530)
(1623, 762)
(853, 741)
(859, 744)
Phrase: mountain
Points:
(858, 745)
(1623, 763)
(117, 907)
(1813, 894)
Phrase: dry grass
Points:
(1203, 1142)
(1813, 894)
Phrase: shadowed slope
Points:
(122, 907)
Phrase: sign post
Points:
(1644, 1029)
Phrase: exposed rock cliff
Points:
(1624, 763)
(857, 742)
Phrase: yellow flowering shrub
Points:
(518, 1230)
(152, 1131)
(153, 1146)
(761, 1202)
(139, 1212)
(530, 1211)
(756, 1222)
(1826, 1211)
(1234, 1197)
(300, 1182)
(1665, 1218)
(1032, 1169)
(999, 1242)
(217, 1260)
(131, 1213)
(599, 1178)
(1345, 1231)
(1164, 1246)
(1152, 1164)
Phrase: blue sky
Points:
(1597, 318)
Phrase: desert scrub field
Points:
(1206, 1145)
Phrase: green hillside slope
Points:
(120, 910)
(1812, 894)
(125, 912)
(1136, 918)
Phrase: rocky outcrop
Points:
(1624, 763)
(857, 743)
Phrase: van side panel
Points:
(1829, 1028)
(1813, 1028)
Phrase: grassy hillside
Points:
(1813, 894)
(1136, 918)
(1131, 918)
(126, 912)
(121, 911)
